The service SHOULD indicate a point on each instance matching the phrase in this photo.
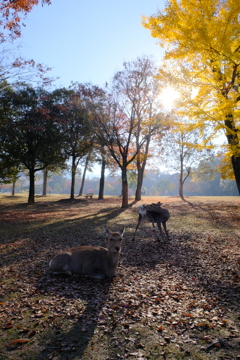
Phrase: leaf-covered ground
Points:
(170, 300)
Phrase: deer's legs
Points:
(156, 230)
(165, 228)
(160, 229)
(139, 222)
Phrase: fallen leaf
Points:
(18, 341)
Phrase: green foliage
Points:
(206, 170)
(8, 173)
(132, 179)
(78, 137)
(164, 186)
(31, 134)
(31, 131)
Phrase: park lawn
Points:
(170, 300)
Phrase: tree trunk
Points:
(83, 177)
(236, 169)
(180, 192)
(102, 179)
(140, 170)
(139, 184)
(181, 189)
(13, 187)
(45, 175)
(181, 180)
(124, 187)
(80, 189)
(31, 186)
(73, 178)
(233, 141)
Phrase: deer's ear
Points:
(122, 232)
(107, 232)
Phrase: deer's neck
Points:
(112, 259)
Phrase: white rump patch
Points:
(142, 211)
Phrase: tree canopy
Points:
(30, 134)
(203, 59)
(138, 88)
(12, 12)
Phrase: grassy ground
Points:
(170, 300)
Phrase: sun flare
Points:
(168, 97)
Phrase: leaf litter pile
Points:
(169, 300)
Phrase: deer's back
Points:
(86, 251)
(84, 259)
(161, 216)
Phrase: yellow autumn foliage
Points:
(202, 60)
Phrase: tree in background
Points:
(78, 138)
(94, 100)
(103, 160)
(18, 70)
(8, 164)
(102, 157)
(31, 134)
(165, 186)
(203, 53)
(13, 68)
(49, 170)
(183, 152)
(206, 175)
(114, 128)
(205, 170)
(138, 90)
(12, 12)
(88, 159)
(117, 132)
(132, 179)
(9, 172)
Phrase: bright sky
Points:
(87, 41)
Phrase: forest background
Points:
(154, 184)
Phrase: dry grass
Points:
(169, 300)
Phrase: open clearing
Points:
(170, 300)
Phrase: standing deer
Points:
(95, 261)
(155, 214)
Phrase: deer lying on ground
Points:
(156, 215)
(95, 261)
